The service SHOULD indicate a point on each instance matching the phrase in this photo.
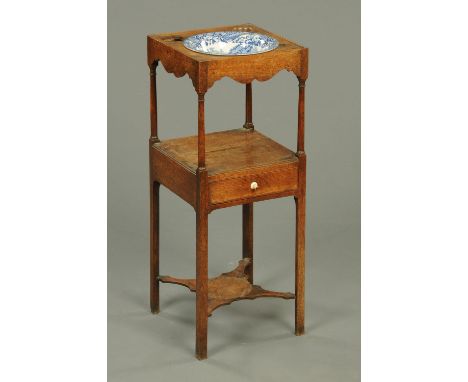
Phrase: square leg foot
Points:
(201, 357)
(299, 331)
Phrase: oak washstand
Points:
(227, 168)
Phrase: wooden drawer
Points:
(241, 186)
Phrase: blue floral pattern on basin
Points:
(230, 43)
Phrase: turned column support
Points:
(248, 107)
(201, 130)
(153, 103)
(300, 116)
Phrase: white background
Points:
(414, 190)
(414, 194)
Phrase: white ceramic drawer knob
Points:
(253, 185)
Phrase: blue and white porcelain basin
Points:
(232, 43)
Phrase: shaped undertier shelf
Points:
(229, 287)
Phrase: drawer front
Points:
(258, 183)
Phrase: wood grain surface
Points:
(204, 70)
(224, 169)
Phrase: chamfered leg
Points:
(154, 247)
(202, 267)
(154, 197)
(300, 265)
(300, 199)
(247, 237)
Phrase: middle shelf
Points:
(242, 166)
